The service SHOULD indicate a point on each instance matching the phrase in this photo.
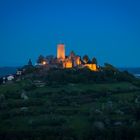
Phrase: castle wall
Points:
(67, 64)
(92, 67)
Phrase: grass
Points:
(80, 125)
(69, 102)
(15, 87)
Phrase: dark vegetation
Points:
(106, 74)
(71, 104)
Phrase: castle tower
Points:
(61, 51)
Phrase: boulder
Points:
(24, 96)
(99, 125)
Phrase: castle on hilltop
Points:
(63, 61)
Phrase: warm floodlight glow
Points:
(44, 62)
(92, 67)
(67, 64)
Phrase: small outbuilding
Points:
(10, 77)
(19, 72)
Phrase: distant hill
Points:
(131, 70)
(135, 71)
(7, 70)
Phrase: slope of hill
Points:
(134, 71)
(70, 104)
(69, 112)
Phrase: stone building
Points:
(63, 61)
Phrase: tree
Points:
(110, 67)
(30, 62)
(40, 59)
(85, 58)
(1, 81)
(94, 61)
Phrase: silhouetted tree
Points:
(110, 67)
(40, 59)
(94, 61)
(85, 58)
(1, 80)
(30, 62)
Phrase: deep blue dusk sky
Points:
(106, 29)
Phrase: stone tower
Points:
(61, 51)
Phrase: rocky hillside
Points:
(69, 111)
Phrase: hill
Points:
(134, 71)
(70, 105)
(7, 70)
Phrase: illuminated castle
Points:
(63, 61)
(72, 60)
